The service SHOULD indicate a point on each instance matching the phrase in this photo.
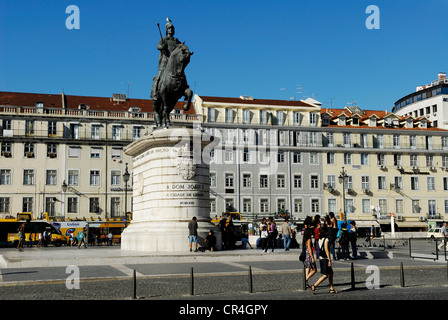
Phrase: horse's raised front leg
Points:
(188, 94)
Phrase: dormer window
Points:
(355, 121)
(342, 121)
(372, 122)
(83, 106)
(423, 123)
(39, 104)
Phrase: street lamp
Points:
(342, 179)
(64, 190)
(126, 176)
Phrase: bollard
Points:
(134, 277)
(304, 278)
(250, 280)
(401, 275)
(352, 274)
(191, 282)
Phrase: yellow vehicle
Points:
(236, 216)
(9, 235)
(98, 231)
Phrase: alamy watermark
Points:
(73, 21)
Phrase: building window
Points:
(212, 205)
(115, 179)
(28, 150)
(136, 132)
(247, 205)
(28, 177)
(431, 183)
(229, 180)
(264, 205)
(432, 207)
(314, 159)
(116, 132)
(50, 206)
(115, 206)
(116, 153)
(281, 181)
(4, 204)
(364, 159)
(95, 132)
(347, 158)
(72, 205)
(297, 181)
(27, 204)
(6, 149)
(74, 151)
(416, 206)
(399, 206)
(297, 157)
(264, 181)
(52, 129)
(5, 177)
(51, 179)
(281, 157)
(247, 183)
(315, 206)
(94, 177)
(330, 158)
(95, 152)
(213, 179)
(94, 205)
(29, 128)
(414, 183)
(52, 150)
(314, 182)
(381, 183)
(365, 182)
(365, 205)
(73, 177)
(332, 205)
(281, 204)
(298, 205)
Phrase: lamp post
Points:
(342, 178)
(126, 176)
(64, 189)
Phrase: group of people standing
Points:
(320, 238)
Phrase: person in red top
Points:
(316, 224)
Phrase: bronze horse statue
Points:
(171, 86)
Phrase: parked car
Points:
(434, 233)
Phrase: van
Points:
(434, 233)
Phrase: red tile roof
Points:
(72, 102)
(267, 102)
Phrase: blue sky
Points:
(265, 49)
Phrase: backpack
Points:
(322, 252)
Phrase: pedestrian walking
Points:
(264, 235)
(344, 241)
(21, 235)
(310, 262)
(287, 233)
(83, 236)
(325, 262)
(193, 234)
(353, 238)
(39, 243)
(272, 234)
(444, 237)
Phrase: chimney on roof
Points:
(442, 76)
(64, 101)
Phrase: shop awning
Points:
(412, 224)
(366, 223)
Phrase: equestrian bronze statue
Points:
(170, 83)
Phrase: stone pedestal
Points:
(171, 185)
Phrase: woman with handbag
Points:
(325, 261)
(310, 262)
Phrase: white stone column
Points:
(171, 185)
